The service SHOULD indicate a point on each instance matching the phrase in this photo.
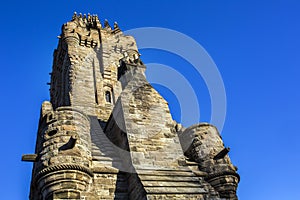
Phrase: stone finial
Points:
(97, 21)
(74, 16)
(89, 18)
(96, 17)
(106, 24)
(46, 108)
(116, 26)
(85, 18)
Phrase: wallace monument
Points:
(106, 133)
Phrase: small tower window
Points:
(108, 96)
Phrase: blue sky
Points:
(255, 45)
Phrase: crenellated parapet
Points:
(82, 30)
(89, 21)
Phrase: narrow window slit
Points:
(108, 96)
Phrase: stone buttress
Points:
(108, 134)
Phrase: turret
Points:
(85, 65)
(203, 144)
(63, 154)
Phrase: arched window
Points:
(108, 96)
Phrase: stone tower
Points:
(108, 134)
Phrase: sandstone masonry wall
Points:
(108, 134)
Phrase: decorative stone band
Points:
(63, 167)
(63, 108)
(71, 40)
(211, 176)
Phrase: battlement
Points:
(90, 21)
(93, 21)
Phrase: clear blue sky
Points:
(255, 44)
